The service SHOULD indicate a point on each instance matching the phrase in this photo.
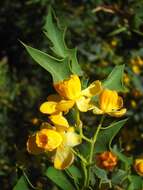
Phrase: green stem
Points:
(79, 156)
(92, 149)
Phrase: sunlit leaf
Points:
(56, 35)
(115, 79)
(59, 69)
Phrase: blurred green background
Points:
(105, 32)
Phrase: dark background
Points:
(106, 33)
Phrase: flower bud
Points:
(107, 160)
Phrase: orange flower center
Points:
(43, 140)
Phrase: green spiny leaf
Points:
(56, 36)
(115, 79)
(106, 136)
(59, 69)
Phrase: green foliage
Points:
(59, 178)
(59, 70)
(136, 182)
(21, 184)
(106, 136)
(115, 79)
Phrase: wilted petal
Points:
(93, 89)
(63, 157)
(119, 113)
(71, 139)
(48, 107)
(32, 147)
(84, 104)
(59, 121)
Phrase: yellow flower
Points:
(110, 103)
(136, 69)
(138, 165)
(54, 107)
(126, 79)
(47, 140)
(44, 140)
(70, 89)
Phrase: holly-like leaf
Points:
(59, 69)
(56, 36)
(115, 79)
(59, 178)
(106, 136)
(21, 184)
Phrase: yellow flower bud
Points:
(107, 160)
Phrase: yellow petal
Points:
(65, 105)
(70, 89)
(32, 146)
(93, 89)
(48, 139)
(84, 104)
(59, 121)
(119, 113)
(108, 100)
(97, 111)
(120, 102)
(63, 158)
(71, 139)
(48, 107)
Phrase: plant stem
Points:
(92, 149)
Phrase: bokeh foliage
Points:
(106, 33)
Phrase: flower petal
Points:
(93, 89)
(84, 104)
(59, 121)
(48, 107)
(48, 139)
(71, 139)
(119, 113)
(97, 111)
(70, 88)
(120, 102)
(32, 147)
(63, 157)
(65, 105)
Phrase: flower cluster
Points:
(61, 137)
